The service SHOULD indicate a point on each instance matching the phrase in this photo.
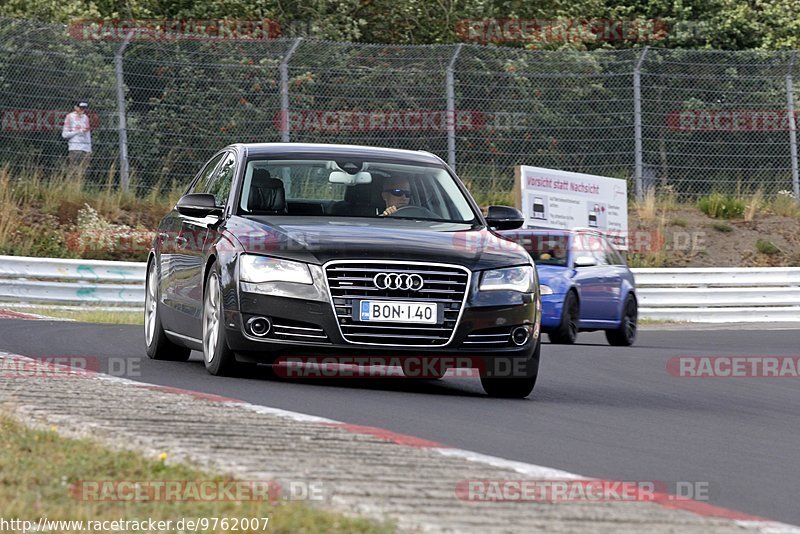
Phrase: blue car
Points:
(585, 284)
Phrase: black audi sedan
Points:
(355, 253)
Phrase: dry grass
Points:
(754, 204)
(785, 205)
(655, 255)
(647, 207)
(8, 206)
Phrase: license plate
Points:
(397, 312)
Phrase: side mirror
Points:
(504, 218)
(585, 261)
(199, 205)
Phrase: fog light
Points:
(259, 326)
(520, 335)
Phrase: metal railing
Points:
(678, 294)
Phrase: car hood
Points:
(316, 240)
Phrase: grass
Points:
(87, 315)
(651, 205)
(39, 213)
(754, 205)
(646, 208)
(719, 206)
(766, 247)
(683, 223)
(38, 468)
(785, 205)
(722, 227)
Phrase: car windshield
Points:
(545, 248)
(352, 188)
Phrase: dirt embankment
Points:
(686, 237)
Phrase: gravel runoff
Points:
(363, 472)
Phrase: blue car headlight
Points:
(522, 279)
(545, 290)
(260, 269)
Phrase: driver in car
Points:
(396, 193)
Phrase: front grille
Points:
(443, 284)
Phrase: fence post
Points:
(285, 90)
(122, 125)
(637, 123)
(451, 108)
(792, 127)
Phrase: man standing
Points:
(77, 132)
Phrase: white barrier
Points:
(717, 295)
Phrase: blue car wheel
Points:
(567, 331)
(625, 335)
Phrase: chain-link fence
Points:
(695, 121)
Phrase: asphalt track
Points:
(604, 412)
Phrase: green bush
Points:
(719, 206)
(766, 247)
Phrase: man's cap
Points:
(82, 104)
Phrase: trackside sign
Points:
(551, 198)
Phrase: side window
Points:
(613, 255)
(220, 184)
(591, 245)
(201, 182)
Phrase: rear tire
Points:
(625, 335)
(219, 359)
(514, 387)
(567, 331)
(159, 347)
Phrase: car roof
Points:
(312, 150)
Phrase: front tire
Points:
(625, 335)
(514, 387)
(159, 347)
(219, 359)
(567, 331)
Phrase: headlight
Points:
(520, 279)
(259, 269)
(545, 290)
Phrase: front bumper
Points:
(552, 306)
(306, 319)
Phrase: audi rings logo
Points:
(409, 282)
